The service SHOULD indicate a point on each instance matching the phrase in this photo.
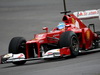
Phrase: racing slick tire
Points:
(97, 32)
(97, 42)
(17, 45)
(70, 39)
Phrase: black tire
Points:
(70, 39)
(17, 45)
(97, 42)
(97, 32)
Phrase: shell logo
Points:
(73, 21)
(87, 34)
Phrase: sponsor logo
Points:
(84, 13)
(41, 41)
(55, 35)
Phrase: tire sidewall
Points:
(73, 52)
(66, 41)
(14, 45)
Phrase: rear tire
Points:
(17, 45)
(97, 32)
(97, 42)
(70, 39)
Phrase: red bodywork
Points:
(85, 36)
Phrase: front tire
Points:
(70, 39)
(17, 45)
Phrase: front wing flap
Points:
(7, 58)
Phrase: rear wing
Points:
(88, 14)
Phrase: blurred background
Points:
(26, 18)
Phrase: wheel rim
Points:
(75, 44)
(22, 46)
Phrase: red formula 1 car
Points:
(69, 38)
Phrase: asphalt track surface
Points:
(26, 18)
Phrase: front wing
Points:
(54, 53)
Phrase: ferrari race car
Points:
(69, 38)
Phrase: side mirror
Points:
(45, 28)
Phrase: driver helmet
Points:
(61, 25)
